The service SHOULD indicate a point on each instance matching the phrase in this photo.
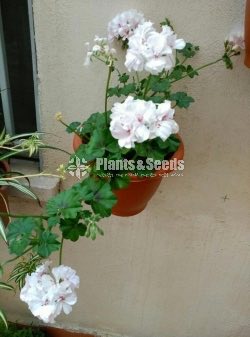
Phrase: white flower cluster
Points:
(137, 120)
(101, 49)
(48, 291)
(152, 51)
(236, 38)
(123, 24)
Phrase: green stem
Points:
(68, 127)
(199, 68)
(17, 257)
(137, 77)
(61, 250)
(23, 215)
(146, 87)
(106, 92)
(99, 59)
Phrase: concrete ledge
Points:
(43, 187)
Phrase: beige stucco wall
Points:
(182, 267)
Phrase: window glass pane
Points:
(18, 50)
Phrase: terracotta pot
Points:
(4, 204)
(247, 34)
(77, 141)
(55, 332)
(134, 198)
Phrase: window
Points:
(17, 106)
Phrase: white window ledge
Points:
(43, 187)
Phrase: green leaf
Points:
(53, 221)
(149, 150)
(128, 89)
(72, 229)
(189, 50)
(178, 72)
(72, 127)
(19, 233)
(93, 230)
(166, 22)
(171, 144)
(66, 204)
(96, 145)
(6, 286)
(2, 230)
(157, 99)
(182, 99)
(114, 92)
(121, 181)
(191, 71)
(98, 194)
(160, 86)
(123, 78)
(113, 146)
(14, 183)
(100, 142)
(47, 244)
(96, 120)
(3, 318)
(18, 247)
(227, 61)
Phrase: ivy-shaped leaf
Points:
(47, 244)
(156, 99)
(19, 234)
(182, 99)
(123, 78)
(98, 194)
(189, 50)
(65, 204)
(127, 89)
(178, 72)
(191, 71)
(160, 86)
(120, 181)
(72, 229)
(73, 127)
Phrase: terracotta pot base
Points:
(127, 214)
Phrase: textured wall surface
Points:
(182, 267)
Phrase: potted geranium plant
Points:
(139, 133)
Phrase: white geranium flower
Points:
(135, 121)
(152, 51)
(123, 122)
(135, 56)
(64, 273)
(236, 38)
(156, 64)
(165, 124)
(134, 60)
(172, 38)
(49, 292)
(123, 24)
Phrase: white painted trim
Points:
(34, 67)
